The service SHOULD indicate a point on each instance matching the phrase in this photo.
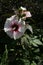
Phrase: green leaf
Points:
(37, 41)
(24, 41)
(32, 43)
(42, 39)
(30, 28)
(33, 63)
(37, 50)
(26, 62)
(4, 59)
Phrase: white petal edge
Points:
(23, 8)
(11, 18)
(10, 34)
(7, 29)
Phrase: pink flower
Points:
(27, 13)
(15, 28)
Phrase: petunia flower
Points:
(15, 28)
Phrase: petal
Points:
(14, 17)
(28, 14)
(22, 28)
(7, 29)
(10, 34)
(17, 35)
(8, 23)
(22, 8)
(30, 28)
(21, 22)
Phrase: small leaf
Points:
(42, 39)
(4, 58)
(35, 37)
(30, 28)
(26, 62)
(32, 43)
(11, 49)
(37, 41)
(33, 63)
(37, 50)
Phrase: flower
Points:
(15, 28)
(24, 11)
(27, 14)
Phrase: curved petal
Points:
(7, 29)
(30, 28)
(22, 29)
(17, 35)
(14, 17)
(7, 24)
(28, 14)
(10, 34)
(21, 22)
(10, 21)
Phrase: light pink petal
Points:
(21, 22)
(10, 34)
(7, 24)
(22, 29)
(21, 26)
(28, 14)
(14, 17)
(17, 35)
(10, 21)
(7, 29)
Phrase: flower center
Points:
(15, 27)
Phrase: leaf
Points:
(30, 28)
(32, 43)
(24, 41)
(26, 62)
(35, 37)
(4, 59)
(37, 41)
(42, 39)
(37, 50)
(33, 63)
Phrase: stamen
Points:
(15, 27)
